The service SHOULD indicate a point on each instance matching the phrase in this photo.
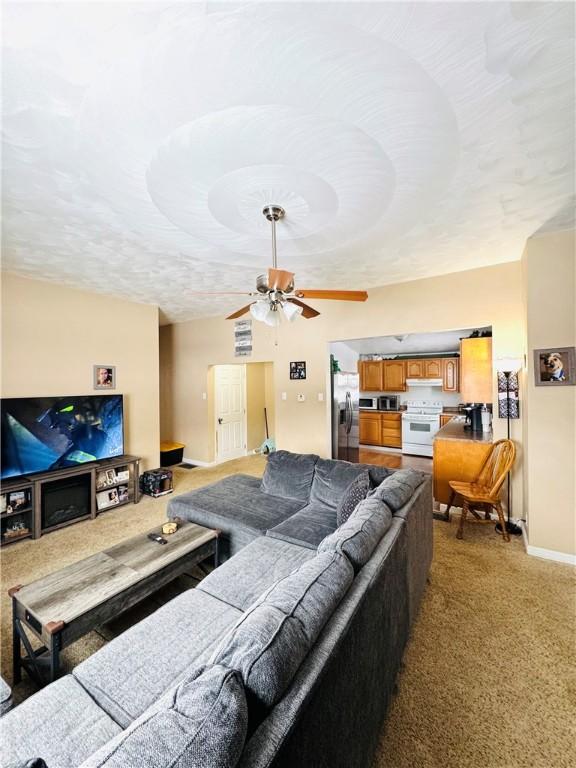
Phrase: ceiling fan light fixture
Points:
(291, 311)
(260, 309)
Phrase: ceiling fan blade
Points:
(240, 312)
(307, 311)
(280, 280)
(336, 295)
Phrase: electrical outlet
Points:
(320, 397)
(284, 396)
(204, 396)
(301, 397)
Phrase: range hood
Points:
(423, 382)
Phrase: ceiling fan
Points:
(276, 291)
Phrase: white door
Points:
(230, 399)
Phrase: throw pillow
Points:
(353, 495)
(397, 489)
(358, 537)
(273, 637)
(201, 723)
(289, 475)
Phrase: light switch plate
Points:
(284, 396)
(320, 397)
(301, 397)
(204, 396)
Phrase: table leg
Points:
(216, 554)
(16, 649)
(54, 656)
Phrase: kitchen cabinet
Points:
(450, 374)
(445, 418)
(394, 375)
(379, 428)
(391, 430)
(476, 370)
(414, 369)
(371, 375)
(432, 369)
(370, 428)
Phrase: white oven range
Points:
(420, 422)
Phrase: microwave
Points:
(368, 403)
(388, 403)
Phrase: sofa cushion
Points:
(307, 527)
(199, 724)
(236, 506)
(132, 671)
(398, 488)
(61, 724)
(332, 477)
(270, 641)
(289, 475)
(353, 495)
(359, 535)
(242, 579)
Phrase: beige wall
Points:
(53, 335)
(550, 412)
(489, 296)
(255, 404)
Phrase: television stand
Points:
(45, 502)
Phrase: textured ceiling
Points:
(141, 141)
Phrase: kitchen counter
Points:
(454, 430)
(375, 410)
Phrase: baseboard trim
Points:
(546, 554)
(197, 462)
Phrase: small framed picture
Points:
(298, 370)
(555, 367)
(104, 377)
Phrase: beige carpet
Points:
(488, 678)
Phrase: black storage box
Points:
(171, 453)
(156, 482)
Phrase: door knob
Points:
(219, 421)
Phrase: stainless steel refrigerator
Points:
(345, 419)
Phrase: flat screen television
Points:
(44, 433)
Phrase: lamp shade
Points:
(508, 364)
(259, 310)
(292, 311)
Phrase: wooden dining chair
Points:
(484, 490)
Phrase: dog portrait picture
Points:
(555, 367)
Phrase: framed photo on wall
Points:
(298, 370)
(104, 377)
(555, 367)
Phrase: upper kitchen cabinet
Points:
(476, 370)
(394, 375)
(450, 374)
(371, 375)
(415, 369)
(432, 369)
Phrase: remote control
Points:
(157, 538)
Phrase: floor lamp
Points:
(508, 407)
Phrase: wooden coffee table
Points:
(64, 606)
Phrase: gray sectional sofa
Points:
(286, 655)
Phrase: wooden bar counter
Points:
(458, 455)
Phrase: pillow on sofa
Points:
(271, 640)
(397, 489)
(353, 495)
(332, 477)
(358, 537)
(289, 474)
(199, 724)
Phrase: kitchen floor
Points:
(395, 460)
